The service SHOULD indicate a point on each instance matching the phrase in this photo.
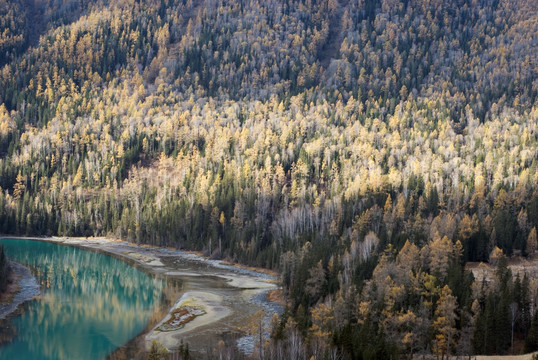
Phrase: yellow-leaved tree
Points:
(445, 321)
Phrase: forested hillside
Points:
(365, 149)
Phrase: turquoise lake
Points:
(90, 304)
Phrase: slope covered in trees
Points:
(351, 145)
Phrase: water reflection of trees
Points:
(7, 332)
(90, 303)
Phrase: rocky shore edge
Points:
(23, 287)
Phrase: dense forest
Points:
(367, 150)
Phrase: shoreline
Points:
(243, 283)
(24, 288)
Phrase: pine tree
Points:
(531, 341)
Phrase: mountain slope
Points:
(315, 137)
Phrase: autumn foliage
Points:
(365, 149)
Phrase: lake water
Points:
(90, 304)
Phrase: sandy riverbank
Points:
(228, 294)
(210, 303)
